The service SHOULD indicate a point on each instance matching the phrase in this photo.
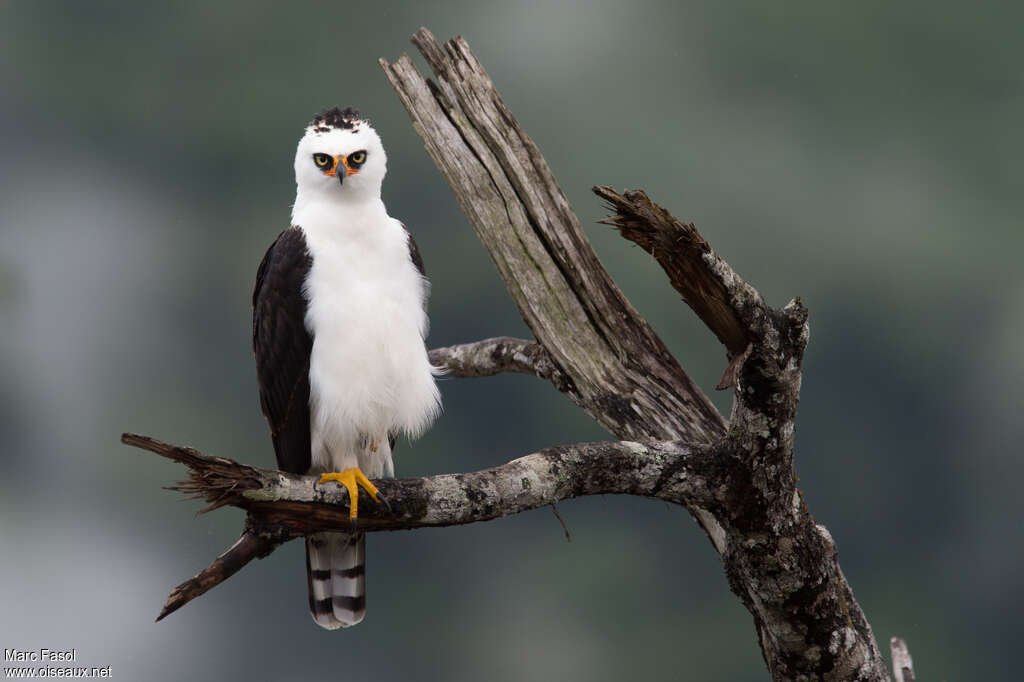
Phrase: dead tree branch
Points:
(501, 354)
(707, 283)
(737, 478)
(294, 506)
(902, 664)
(248, 547)
(283, 506)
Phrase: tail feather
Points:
(336, 574)
(348, 586)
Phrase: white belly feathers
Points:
(369, 372)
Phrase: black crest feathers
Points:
(344, 119)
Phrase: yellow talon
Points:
(352, 479)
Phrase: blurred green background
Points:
(865, 156)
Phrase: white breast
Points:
(369, 372)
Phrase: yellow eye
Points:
(322, 160)
(357, 158)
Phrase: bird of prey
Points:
(339, 320)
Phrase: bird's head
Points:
(340, 157)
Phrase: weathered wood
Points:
(500, 354)
(287, 505)
(902, 664)
(707, 283)
(780, 563)
(623, 373)
(281, 506)
(248, 547)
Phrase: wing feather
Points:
(414, 252)
(282, 345)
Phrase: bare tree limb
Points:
(730, 307)
(284, 506)
(902, 664)
(216, 479)
(707, 283)
(248, 547)
(500, 354)
(298, 505)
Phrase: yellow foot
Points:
(351, 479)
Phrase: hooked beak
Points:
(340, 169)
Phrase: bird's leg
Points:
(352, 479)
(373, 445)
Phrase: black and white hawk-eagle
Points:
(339, 318)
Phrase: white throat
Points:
(315, 208)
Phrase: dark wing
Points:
(414, 252)
(417, 260)
(283, 345)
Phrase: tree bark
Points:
(736, 478)
(902, 665)
(501, 354)
(282, 506)
(294, 506)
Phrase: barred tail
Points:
(336, 572)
